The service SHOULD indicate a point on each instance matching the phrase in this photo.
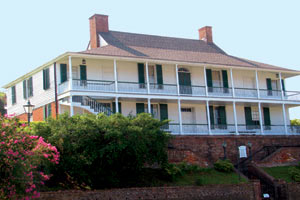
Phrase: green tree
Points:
(2, 103)
(106, 151)
(295, 122)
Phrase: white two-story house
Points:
(193, 83)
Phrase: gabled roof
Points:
(125, 44)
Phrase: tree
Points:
(2, 103)
(106, 151)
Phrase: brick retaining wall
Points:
(249, 191)
(205, 150)
(293, 190)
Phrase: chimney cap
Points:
(98, 15)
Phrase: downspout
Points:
(55, 88)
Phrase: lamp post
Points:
(224, 148)
(250, 151)
(28, 109)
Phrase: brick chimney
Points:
(98, 23)
(205, 34)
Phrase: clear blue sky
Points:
(34, 32)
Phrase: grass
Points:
(281, 172)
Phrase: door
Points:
(184, 81)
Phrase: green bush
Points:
(295, 122)
(295, 173)
(105, 151)
(223, 166)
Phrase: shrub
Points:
(105, 151)
(295, 173)
(223, 166)
(22, 160)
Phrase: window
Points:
(47, 111)
(255, 115)
(186, 109)
(46, 79)
(13, 95)
(27, 88)
(274, 85)
(216, 78)
(63, 73)
(154, 110)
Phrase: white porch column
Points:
(149, 106)
(70, 73)
(205, 81)
(260, 119)
(70, 86)
(235, 119)
(71, 106)
(257, 83)
(147, 78)
(280, 83)
(232, 83)
(284, 118)
(179, 116)
(177, 79)
(115, 75)
(208, 117)
(117, 104)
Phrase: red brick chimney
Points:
(205, 34)
(98, 23)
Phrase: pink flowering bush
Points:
(22, 160)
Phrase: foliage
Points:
(223, 166)
(295, 122)
(105, 151)
(295, 173)
(22, 159)
(2, 103)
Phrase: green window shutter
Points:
(163, 108)
(45, 112)
(140, 108)
(269, 84)
(225, 78)
(24, 89)
(30, 87)
(209, 77)
(211, 116)
(159, 75)
(46, 79)
(114, 107)
(248, 116)
(63, 73)
(141, 72)
(49, 110)
(13, 95)
(267, 119)
(83, 72)
(282, 83)
(222, 113)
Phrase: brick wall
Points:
(225, 192)
(38, 113)
(284, 156)
(293, 190)
(205, 150)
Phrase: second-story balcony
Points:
(173, 89)
(127, 77)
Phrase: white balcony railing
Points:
(171, 89)
(249, 129)
(246, 92)
(270, 94)
(93, 85)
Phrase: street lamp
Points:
(28, 109)
(224, 148)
